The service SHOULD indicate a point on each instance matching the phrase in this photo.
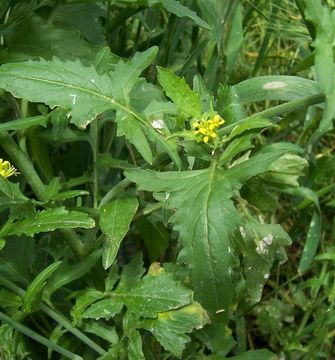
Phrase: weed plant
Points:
(167, 179)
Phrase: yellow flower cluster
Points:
(207, 128)
(6, 169)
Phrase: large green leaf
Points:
(206, 218)
(86, 93)
(115, 219)
(156, 302)
(71, 85)
(68, 84)
(155, 292)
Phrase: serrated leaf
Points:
(71, 85)
(68, 84)
(155, 292)
(170, 327)
(115, 219)
(205, 217)
(83, 300)
(176, 88)
(33, 293)
(126, 74)
(86, 93)
(49, 220)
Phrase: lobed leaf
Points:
(206, 218)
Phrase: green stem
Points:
(57, 317)
(94, 134)
(24, 164)
(68, 326)
(37, 337)
(74, 243)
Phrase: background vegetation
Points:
(138, 225)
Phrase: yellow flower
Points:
(6, 169)
(207, 128)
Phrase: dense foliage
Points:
(167, 179)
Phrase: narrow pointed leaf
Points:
(115, 219)
(34, 292)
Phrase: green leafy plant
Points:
(150, 188)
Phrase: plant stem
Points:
(57, 317)
(39, 338)
(68, 326)
(94, 134)
(24, 164)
